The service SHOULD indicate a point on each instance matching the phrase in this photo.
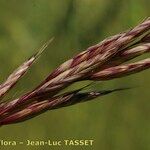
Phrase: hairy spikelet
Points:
(20, 71)
(64, 100)
(121, 71)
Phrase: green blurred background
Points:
(119, 121)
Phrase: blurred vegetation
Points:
(119, 121)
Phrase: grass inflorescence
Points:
(104, 61)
